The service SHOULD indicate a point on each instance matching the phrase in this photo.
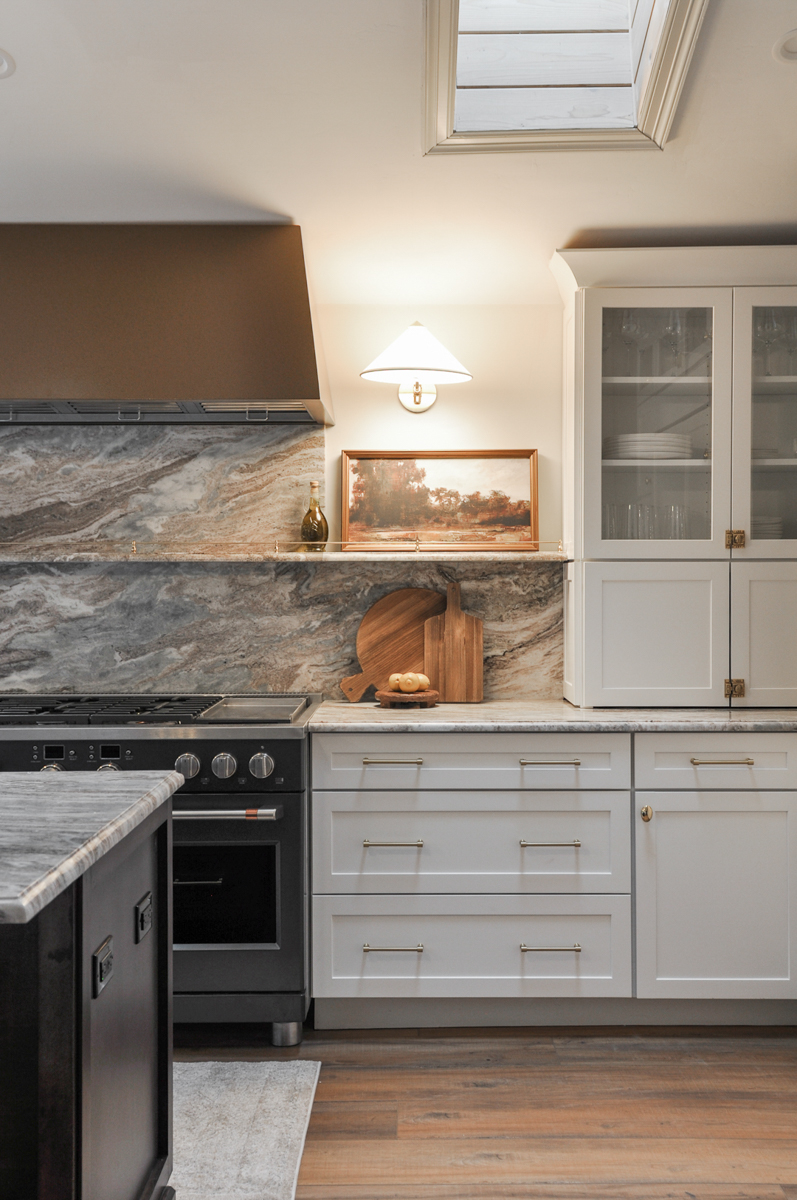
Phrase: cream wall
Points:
(512, 402)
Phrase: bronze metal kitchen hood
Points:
(156, 323)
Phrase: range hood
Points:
(166, 324)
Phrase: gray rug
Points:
(239, 1128)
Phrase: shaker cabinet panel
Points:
(656, 633)
(433, 842)
(763, 641)
(726, 761)
(399, 946)
(388, 761)
(657, 422)
(765, 422)
(715, 913)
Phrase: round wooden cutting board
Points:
(390, 638)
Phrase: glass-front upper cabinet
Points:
(764, 502)
(657, 422)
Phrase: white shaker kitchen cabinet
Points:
(471, 841)
(764, 633)
(715, 914)
(388, 761)
(396, 946)
(656, 422)
(765, 423)
(655, 633)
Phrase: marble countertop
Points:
(545, 716)
(53, 826)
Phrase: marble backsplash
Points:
(69, 488)
(270, 626)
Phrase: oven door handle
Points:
(229, 814)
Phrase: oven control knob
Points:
(188, 765)
(52, 767)
(108, 767)
(261, 765)
(223, 766)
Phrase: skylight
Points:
(513, 74)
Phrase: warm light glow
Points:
(416, 357)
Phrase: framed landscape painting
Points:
(463, 499)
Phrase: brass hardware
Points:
(574, 949)
(734, 689)
(524, 845)
(392, 762)
(134, 550)
(550, 762)
(393, 949)
(722, 762)
(734, 539)
(647, 813)
(367, 843)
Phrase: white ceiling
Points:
(233, 109)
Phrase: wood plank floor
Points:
(541, 1115)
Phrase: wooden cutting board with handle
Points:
(454, 652)
(391, 638)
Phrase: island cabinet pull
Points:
(198, 882)
(722, 762)
(550, 762)
(229, 814)
(367, 843)
(524, 844)
(574, 949)
(393, 949)
(392, 762)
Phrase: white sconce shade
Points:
(416, 361)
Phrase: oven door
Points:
(238, 894)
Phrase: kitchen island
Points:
(85, 984)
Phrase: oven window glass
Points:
(225, 894)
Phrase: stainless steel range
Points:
(240, 832)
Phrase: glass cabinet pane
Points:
(657, 391)
(773, 471)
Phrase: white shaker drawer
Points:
(471, 760)
(716, 760)
(471, 841)
(471, 946)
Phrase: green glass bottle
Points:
(315, 529)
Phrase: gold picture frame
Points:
(419, 500)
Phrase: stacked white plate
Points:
(767, 527)
(648, 445)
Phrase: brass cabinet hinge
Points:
(734, 539)
(734, 689)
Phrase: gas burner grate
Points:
(102, 710)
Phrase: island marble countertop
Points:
(54, 825)
(545, 716)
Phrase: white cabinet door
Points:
(657, 422)
(511, 841)
(656, 633)
(763, 634)
(471, 946)
(715, 913)
(765, 422)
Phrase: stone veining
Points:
(54, 826)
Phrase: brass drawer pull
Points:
(575, 949)
(393, 949)
(550, 762)
(525, 844)
(722, 762)
(392, 762)
(367, 843)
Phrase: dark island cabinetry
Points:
(85, 1032)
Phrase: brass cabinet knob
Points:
(647, 813)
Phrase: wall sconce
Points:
(416, 361)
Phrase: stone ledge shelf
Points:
(55, 825)
(226, 552)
